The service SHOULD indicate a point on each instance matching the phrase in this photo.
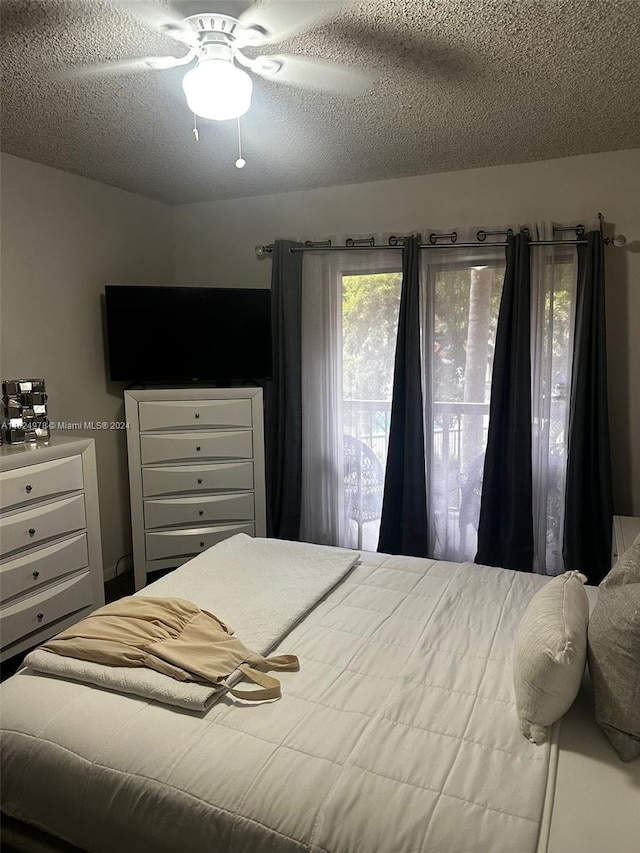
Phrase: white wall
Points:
(64, 238)
(214, 246)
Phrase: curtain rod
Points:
(268, 249)
(396, 243)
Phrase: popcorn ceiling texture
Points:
(459, 84)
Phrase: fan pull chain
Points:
(240, 162)
(196, 135)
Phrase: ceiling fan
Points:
(218, 86)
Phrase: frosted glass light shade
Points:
(218, 90)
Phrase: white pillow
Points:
(550, 654)
(614, 654)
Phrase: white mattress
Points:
(398, 734)
(595, 797)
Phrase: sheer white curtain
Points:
(553, 290)
(323, 493)
(460, 292)
(460, 298)
(322, 461)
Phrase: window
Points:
(552, 348)
(370, 305)
(465, 300)
(349, 326)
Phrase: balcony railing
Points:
(370, 420)
(459, 435)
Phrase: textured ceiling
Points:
(458, 84)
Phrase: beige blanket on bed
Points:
(171, 636)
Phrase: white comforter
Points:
(398, 734)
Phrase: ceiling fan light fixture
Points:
(217, 89)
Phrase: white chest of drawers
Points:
(196, 471)
(625, 530)
(50, 549)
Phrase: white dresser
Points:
(50, 549)
(625, 530)
(196, 471)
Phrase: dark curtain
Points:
(403, 527)
(283, 415)
(588, 498)
(505, 530)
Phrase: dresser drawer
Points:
(196, 478)
(44, 480)
(40, 609)
(173, 511)
(41, 523)
(163, 544)
(199, 414)
(42, 565)
(200, 445)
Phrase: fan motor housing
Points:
(205, 26)
(215, 27)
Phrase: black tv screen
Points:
(188, 334)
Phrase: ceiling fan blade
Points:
(274, 22)
(165, 21)
(123, 66)
(311, 74)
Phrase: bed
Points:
(398, 733)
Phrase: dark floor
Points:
(118, 587)
(123, 584)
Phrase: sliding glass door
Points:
(349, 328)
(461, 300)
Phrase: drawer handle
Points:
(28, 489)
(197, 415)
(202, 544)
(198, 447)
(32, 531)
(199, 481)
(200, 512)
(39, 616)
(36, 575)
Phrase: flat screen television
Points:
(167, 335)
